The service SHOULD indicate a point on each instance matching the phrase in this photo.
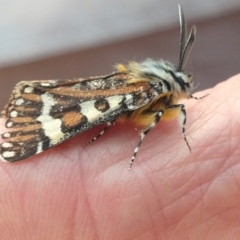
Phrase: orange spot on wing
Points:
(24, 109)
(71, 119)
(22, 120)
(29, 128)
(23, 138)
(31, 97)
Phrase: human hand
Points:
(76, 192)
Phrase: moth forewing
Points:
(42, 114)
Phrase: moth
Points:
(42, 114)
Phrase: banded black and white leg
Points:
(182, 120)
(144, 133)
(100, 134)
(198, 98)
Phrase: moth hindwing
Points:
(42, 114)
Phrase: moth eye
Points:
(181, 82)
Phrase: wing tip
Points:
(2, 158)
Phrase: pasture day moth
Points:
(42, 114)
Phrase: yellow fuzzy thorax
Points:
(138, 116)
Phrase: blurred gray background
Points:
(53, 39)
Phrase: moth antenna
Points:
(185, 47)
(182, 34)
(189, 45)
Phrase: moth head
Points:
(173, 79)
(184, 84)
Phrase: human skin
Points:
(77, 192)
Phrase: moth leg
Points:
(100, 134)
(182, 120)
(198, 98)
(144, 133)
